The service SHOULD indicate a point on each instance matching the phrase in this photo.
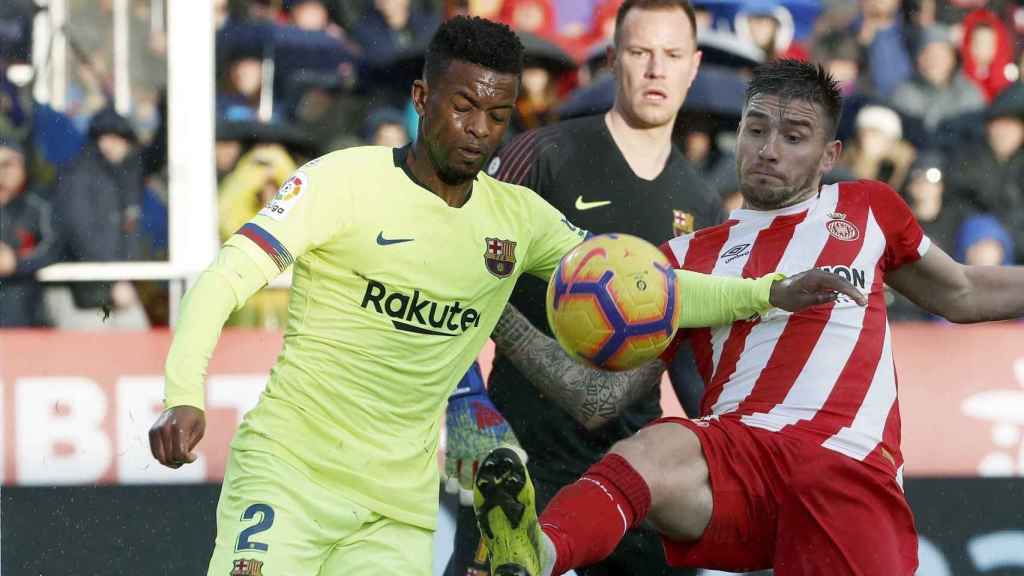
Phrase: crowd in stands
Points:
(934, 107)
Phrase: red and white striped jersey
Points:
(826, 373)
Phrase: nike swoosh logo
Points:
(581, 205)
(381, 240)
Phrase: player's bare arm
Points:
(961, 293)
(595, 396)
(591, 396)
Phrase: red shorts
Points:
(789, 504)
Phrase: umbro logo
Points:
(737, 251)
(382, 241)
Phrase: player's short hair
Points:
(796, 80)
(477, 41)
(628, 5)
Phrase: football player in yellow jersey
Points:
(403, 262)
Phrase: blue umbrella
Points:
(715, 90)
(804, 12)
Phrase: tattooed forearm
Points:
(591, 396)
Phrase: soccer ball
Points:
(613, 302)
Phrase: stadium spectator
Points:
(97, 207)
(50, 138)
(925, 194)
(989, 176)
(309, 15)
(241, 83)
(386, 127)
(391, 26)
(938, 91)
(984, 241)
(537, 100)
(879, 30)
(940, 219)
(533, 16)
(715, 164)
(986, 50)
(878, 151)
(769, 25)
(27, 241)
(249, 187)
(839, 53)
(327, 112)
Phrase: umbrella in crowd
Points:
(727, 50)
(250, 132)
(716, 90)
(289, 47)
(804, 12)
(407, 64)
(543, 53)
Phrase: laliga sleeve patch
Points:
(287, 196)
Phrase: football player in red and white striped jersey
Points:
(795, 464)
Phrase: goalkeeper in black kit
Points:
(612, 172)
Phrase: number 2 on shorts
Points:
(266, 514)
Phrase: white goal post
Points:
(192, 186)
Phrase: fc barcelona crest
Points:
(682, 222)
(500, 256)
(247, 567)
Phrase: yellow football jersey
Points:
(394, 294)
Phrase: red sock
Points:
(587, 519)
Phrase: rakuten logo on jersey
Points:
(417, 314)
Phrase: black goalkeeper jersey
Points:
(577, 167)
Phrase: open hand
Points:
(811, 288)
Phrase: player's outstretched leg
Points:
(504, 501)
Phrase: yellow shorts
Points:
(273, 520)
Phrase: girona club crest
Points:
(842, 229)
(500, 256)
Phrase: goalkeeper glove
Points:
(474, 427)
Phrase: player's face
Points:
(782, 151)
(463, 117)
(655, 61)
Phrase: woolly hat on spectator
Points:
(983, 227)
(935, 33)
(1009, 103)
(928, 160)
(108, 121)
(882, 119)
(379, 117)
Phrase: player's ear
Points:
(832, 151)
(419, 96)
(609, 54)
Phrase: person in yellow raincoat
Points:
(242, 193)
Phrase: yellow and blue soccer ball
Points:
(614, 302)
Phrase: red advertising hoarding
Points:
(76, 407)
